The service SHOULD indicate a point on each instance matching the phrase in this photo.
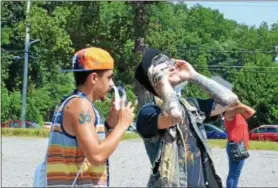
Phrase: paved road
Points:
(129, 164)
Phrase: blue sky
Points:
(247, 12)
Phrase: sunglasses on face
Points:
(162, 62)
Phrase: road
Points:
(130, 166)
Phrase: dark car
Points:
(264, 132)
(17, 124)
(214, 132)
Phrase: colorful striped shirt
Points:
(65, 157)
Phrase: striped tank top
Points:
(65, 157)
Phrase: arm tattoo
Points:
(160, 63)
(171, 106)
(219, 93)
(158, 75)
(84, 117)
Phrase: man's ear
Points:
(94, 77)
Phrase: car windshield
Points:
(218, 129)
(35, 125)
(271, 130)
(212, 127)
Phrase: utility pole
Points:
(276, 58)
(25, 74)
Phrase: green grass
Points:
(254, 145)
(131, 136)
(25, 132)
(44, 133)
(219, 143)
(263, 145)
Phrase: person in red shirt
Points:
(237, 129)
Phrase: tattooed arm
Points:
(79, 121)
(171, 111)
(219, 93)
(223, 97)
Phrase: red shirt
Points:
(237, 129)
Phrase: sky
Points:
(247, 12)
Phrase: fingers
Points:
(128, 104)
(132, 108)
(122, 103)
(113, 105)
(179, 61)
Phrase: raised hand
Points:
(185, 70)
(125, 115)
(113, 114)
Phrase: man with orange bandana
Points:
(78, 149)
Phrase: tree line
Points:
(243, 55)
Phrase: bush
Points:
(11, 105)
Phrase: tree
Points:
(199, 35)
(256, 86)
(140, 23)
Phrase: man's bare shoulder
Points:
(78, 104)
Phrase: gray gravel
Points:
(130, 166)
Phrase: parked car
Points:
(47, 125)
(17, 124)
(214, 132)
(264, 132)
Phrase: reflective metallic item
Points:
(118, 98)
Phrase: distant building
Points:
(222, 81)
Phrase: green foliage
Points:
(256, 85)
(104, 106)
(200, 35)
(254, 145)
(4, 104)
(10, 105)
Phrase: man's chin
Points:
(175, 82)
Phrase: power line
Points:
(209, 4)
(236, 66)
(247, 71)
(11, 51)
(232, 51)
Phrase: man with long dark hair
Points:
(173, 132)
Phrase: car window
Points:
(27, 125)
(218, 129)
(255, 131)
(207, 128)
(14, 124)
(271, 130)
(261, 130)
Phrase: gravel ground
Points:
(130, 166)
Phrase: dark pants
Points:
(234, 170)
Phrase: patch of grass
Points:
(263, 145)
(131, 136)
(217, 143)
(254, 145)
(44, 133)
(25, 132)
(220, 143)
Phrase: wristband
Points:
(107, 126)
